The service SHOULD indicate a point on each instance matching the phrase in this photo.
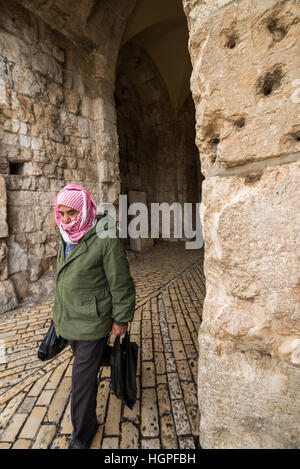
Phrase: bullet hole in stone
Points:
(232, 41)
(16, 168)
(270, 81)
(252, 178)
(240, 123)
(214, 143)
(212, 159)
(296, 136)
(278, 31)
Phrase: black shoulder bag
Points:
(123, 370)
(51, 345)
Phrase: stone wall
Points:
(245, 58)
(58, 125)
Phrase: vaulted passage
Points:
(156, 114)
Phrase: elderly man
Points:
(94, 295)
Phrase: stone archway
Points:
(244, 85)
(159, 160)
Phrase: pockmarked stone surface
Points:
(245, 86)
(35, 396)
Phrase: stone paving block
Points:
(146, 329)
(167, 344)
(185, 334)
(146, 314)
(9, 409)
(160, 364)
(135, 327)
(27, 405)
(190, 351)
(33, 422)
(158, 345)
(163, 398)
(44, 437)
(179, 351)
(155, 319)
(21, 444)
(194, 418)
(5, 445)
(110, 443)
(168, 432)
(148, 374)
(180, 417)
(147, 349)
(186, 442)
(39, 385)
(161, 379)
(194, 369)
(149, 414)
(174, 386)
(153, 443)
(129, 436)
(59, 401)
(170, 363)
(15, 424)
(66, 426)
(45, 397)
(181, 319)
(61, 442)
(156, 329)
(190, 393)
(112, 422)
(56, 376)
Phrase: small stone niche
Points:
(16, 168)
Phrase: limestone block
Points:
(8, 296)
(245, 63)
(26, 82)
(249, 338)
(21, 284)
(21, 221)
(18, 259)
(3, 209)
(47, 65)
(14, 49)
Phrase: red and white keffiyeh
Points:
(79, 199)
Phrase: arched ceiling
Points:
(160, 27)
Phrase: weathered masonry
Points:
(180, 100)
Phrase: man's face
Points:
(68, 215)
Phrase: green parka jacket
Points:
(93, 289)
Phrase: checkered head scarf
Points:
(79, 199)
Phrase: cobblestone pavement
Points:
(35, 396)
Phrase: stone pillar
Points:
(245, 57)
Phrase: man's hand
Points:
(118, 330)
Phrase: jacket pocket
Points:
(93, 309)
